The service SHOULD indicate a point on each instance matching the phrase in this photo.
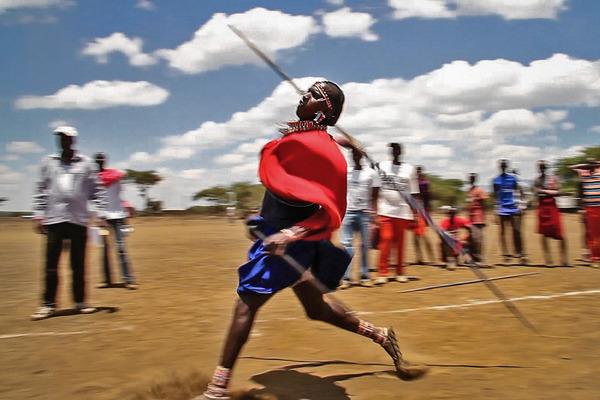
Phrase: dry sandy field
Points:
(171, 329)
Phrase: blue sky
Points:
(165, 85)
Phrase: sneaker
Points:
(344, 285)
(402, 279)
(214, 392)
(84, 308)
(366, 283)
(206, 396)
(43, 312)
(381, 280)
(404, 370)
(451, 266)
(132, 286)
(103, 285)
(524, 261)
(506, 260)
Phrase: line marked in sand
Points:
(474, 303)
(471, 303)
(20, 335)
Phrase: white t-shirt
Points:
(398, 178)
(114, 204)
(360, 182)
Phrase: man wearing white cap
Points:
(67, 181)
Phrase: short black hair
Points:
(336, 95)
(395, 145)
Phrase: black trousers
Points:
(78, 236)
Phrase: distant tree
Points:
(247, 195)
(445, 191)
(144, 180)
(568, 178)
(215, 194)
(154, 205)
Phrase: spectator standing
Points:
(116, 217)
(419, 225)
(590, 185)
(546, 188)
(67, 181)
(476, 198)
(394, 215)
(358, 217)
(507, 209)
(584, 170)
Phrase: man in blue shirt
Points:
(505, 187)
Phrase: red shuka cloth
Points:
(110, 176)
(549, 223)
(308, 167)
(592, 216)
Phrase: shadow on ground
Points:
(73, 311)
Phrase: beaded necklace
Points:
(302, 126)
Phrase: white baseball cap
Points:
(65, 130)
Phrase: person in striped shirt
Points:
(590, 188)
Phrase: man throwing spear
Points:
(304, 174)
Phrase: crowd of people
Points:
(377, 210)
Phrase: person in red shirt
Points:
(452, 224)
(304, 174)
(476, 198)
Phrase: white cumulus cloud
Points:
(9, 176)
(98, 94)
(58, 122)
(346, 23)
(446, 118)
(215, 45)
(193, 174)
(147, 5)
(101, 48)
(23, 148)
(507, 9)
(6, 5)
(567, 126)
(595, 129)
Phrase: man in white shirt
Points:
(394, 215)
(358, 217)
(116, 215)
(67, 181)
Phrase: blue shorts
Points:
(267, 274)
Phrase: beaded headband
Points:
(321, 87)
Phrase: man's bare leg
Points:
(244, 313)
(546, 251)
(334, 313)
(564, 254)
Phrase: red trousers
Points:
(592, 216)
(391, 233)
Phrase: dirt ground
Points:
(174, 325)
